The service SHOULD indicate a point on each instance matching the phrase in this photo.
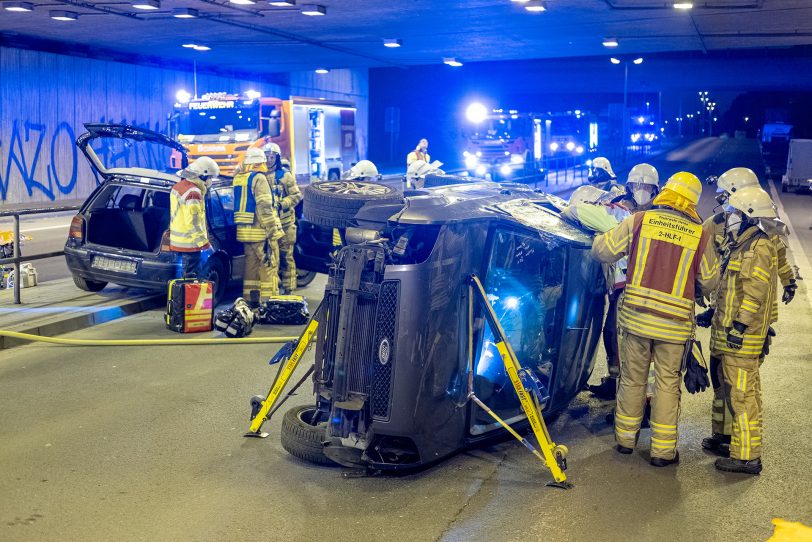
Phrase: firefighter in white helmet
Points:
(745, 306)
(188, 232)
(671, 262)
(258, 228)
(602, 174)
(362, 171)
(287, 196)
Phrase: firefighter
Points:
(188, 233)
(741, 322)
(642, 185)
(421, 152)
(258, 228)
(602, 175)
(287, 196)
(729, 183)
(671, 262)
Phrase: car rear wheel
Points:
(88, 285)
(303, 436)
(333, 204)
(303, 278)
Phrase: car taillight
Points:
(77, 228)
(165, 241)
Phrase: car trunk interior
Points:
(129, 217)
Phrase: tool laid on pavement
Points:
(529, 389)
(236, 321)
(289, 357)
(189, 305)
(290, 310)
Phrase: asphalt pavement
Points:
(47, 233)
(145, 443)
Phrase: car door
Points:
(220, 215)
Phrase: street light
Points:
(616, 61)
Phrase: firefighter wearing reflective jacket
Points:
(258, 228)
(671, 262)
(744, 311)
(728, 183)
(287, 196)
(188, 232)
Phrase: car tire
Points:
(334, 204)
(217, 273)
(303, 440)
(89, 285)
(303, 278)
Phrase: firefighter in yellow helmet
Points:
(258, 228)
(671, 262)
(741, 322)
(729, 183)
(287, 196)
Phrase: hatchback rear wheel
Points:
(89, 285)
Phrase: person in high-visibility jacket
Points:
(188, 232)
(258, 228)
(741, 322)
(287, 196)
(671, 263)
(728, 183)
(421, 152)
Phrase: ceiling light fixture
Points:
(322, 71)
(313, 10)
(683, 5)
(614, 60)
(185, 13)
(18, 6)
(202, 48)
(536, 6)
(147, 4)
(283, 3)
(638, 60)
(243, 2)
(190, 45)
(520, 1)
(61, 15)
(610, 42)
(392, 42)
(453, 62)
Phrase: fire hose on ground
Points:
(143, 342)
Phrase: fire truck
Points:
(316, 135)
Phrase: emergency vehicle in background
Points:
(317, 135)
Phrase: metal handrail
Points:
(18, 258)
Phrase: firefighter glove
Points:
(700, 300)
(696, 376)
(735, 336)
(768, 340)
(703, 319)
(789, 291)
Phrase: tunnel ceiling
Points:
(265, 39)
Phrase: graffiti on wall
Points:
(44, 161)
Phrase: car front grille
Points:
(385, 343)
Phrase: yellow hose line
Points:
(143, 342)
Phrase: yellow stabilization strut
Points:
(554, 456)
(142, 342)
(282, 380)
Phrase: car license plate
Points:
(114, 264)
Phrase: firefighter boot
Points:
(718, 444)
(728, 464)
(660, 462)
(606, 390)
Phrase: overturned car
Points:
(401, 346)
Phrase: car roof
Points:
(512, 203)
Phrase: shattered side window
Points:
(524, 283)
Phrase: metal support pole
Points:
(625, 110)
(17, 261)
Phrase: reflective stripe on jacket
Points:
(747, 293)
(287, 193)
(669, 259)
(255, 209)
(187, 217)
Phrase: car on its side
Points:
(121, 233)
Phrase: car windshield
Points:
(210, 120)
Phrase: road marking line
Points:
(795, 247)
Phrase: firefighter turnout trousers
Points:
(287, 266)
(721, 416)
(742, 388)
(261, 272)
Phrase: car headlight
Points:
(635, 138)
(481, 170)
(554, 146)
(570, 146)
(471, 161)
(579, 149)
(505, 169)
(517, 159)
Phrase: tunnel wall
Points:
(45, 98)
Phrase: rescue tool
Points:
(289, 357)
(528, 388)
